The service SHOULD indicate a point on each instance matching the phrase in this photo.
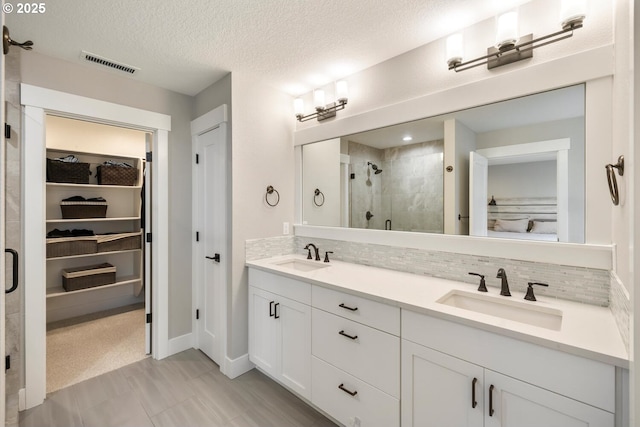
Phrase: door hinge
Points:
(197, 159)
(197, 236)
(7, 362)
(148, 237)
(197, 314)
(7, 131)
(149, 156)
(149, 317)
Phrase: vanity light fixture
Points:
(509, 46)
(323, 111)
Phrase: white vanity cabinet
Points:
(356, 359)
(280, 329)
(513, 383)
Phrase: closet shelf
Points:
(74, 220)
(93, 254)
(62, 185)
(59, 291)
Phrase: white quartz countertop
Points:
(586, 330)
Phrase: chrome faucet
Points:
(504, 290)
(308, 247)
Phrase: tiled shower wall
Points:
(14, 301)
(408, 192)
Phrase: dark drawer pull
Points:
(473, 393)
(271, 313)
(346, 307)
(353, 337)
(349, 392)
(491, 411)
(275, 311)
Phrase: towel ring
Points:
(271, 190)
(317, 193)
(612, 181)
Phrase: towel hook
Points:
(317, 193)
(612, 181)
(271, 190)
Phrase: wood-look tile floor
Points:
(186, 389)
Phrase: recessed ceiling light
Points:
(407, 138)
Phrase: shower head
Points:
(375, 168)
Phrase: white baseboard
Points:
(235, 367)
(178, 344)
(22, 400)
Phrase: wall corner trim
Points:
(233, 368)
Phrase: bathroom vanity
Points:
(376, 347)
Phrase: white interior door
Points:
(210, 251)
(478, 177)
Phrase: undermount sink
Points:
(505, 308)
(301, 265)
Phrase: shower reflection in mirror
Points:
(397, 172)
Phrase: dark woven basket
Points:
(83, 210)
(71, 173)
(117, 175)
(88, 277)
(125, 243)
(67, 247)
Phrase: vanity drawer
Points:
(375, 314)
(374, 356)
(280, 285)
(371, 406)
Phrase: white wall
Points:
(262, 155)
(534, 179)
(88, 81)
(321, 170)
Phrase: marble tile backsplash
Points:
(585, 285)
(620, 307)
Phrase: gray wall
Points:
(47, 72)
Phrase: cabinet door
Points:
(439, 390)
(294, 322)
(263, 330)
(514, 403)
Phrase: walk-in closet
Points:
(95, 260)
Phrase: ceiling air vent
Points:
(114, 65)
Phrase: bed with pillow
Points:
(523, 219)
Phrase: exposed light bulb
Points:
(507, 32)
(454, 49)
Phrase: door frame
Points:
(215, 118)
(559, 148)
(37, 102)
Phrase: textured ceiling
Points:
(295, 45)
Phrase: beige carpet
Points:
(82, 348)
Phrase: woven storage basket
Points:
(75, 210)
(119, 242)
(88, 277)
(72, 173)
(59, 247)
(117, 175)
